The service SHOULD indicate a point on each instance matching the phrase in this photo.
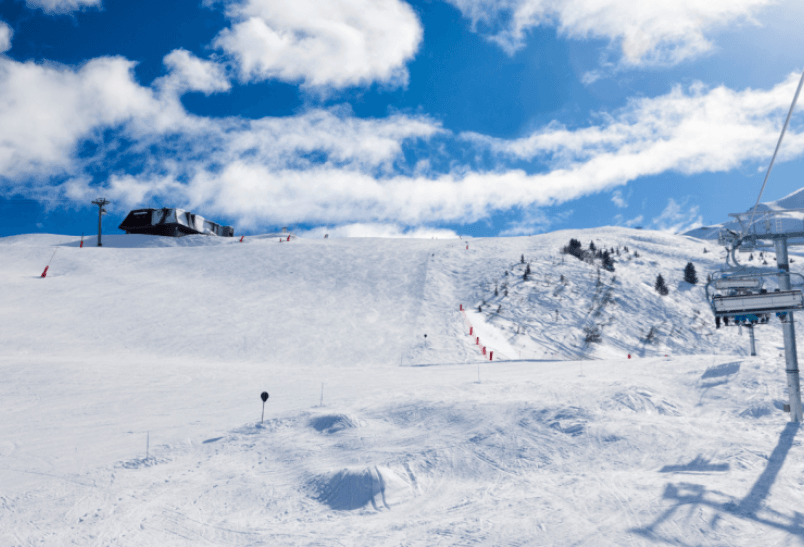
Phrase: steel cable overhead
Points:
(775, 152)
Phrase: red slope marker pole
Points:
(241, 239)
(491, 356)
(470, 330)
(82, 242)
(44, 274)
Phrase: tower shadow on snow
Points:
(751, 507)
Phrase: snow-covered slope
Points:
(372, 436)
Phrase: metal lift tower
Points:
(745, 305)
(100, 202)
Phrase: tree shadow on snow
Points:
(751, 507)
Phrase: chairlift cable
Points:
(778, 145)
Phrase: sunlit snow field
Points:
(370, 436)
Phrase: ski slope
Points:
(371, 436)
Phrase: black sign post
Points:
(264, 396)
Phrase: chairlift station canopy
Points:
(171, 223)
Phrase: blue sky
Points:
(386, 117)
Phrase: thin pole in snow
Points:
(264, 396)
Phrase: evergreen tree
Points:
(660, 286)
(527, 273)
(522, 259)
(592, 246)
(608, 262)
(689, 274)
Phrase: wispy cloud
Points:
(619, 220)
(618, 200)
(678, 217)
(379, 230)
(534, 222)
(647, 33)
(63, 6)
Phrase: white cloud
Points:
(62, 6)
(322, 43)
(378, 230)
(648, 32)
(328, 166)
(691, 131)
(189, 73)
(46, 110)
(676, 219)
(618, 200)
(5, 36)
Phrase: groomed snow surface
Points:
(370, 436)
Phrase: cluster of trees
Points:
(605, 256)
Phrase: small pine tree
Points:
(636, 254)
(660, 286)
(608, 262)
(689, 274)
(522, 259)
(592, 246)
(527, 273)
(496, 292)
(499, 308)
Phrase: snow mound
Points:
(332, 423)
(639, 399)
(570, 421)
(761, 409)
(351, 489)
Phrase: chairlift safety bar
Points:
(773, 302)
